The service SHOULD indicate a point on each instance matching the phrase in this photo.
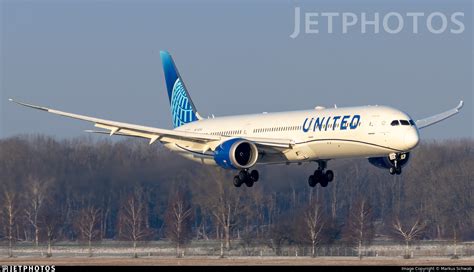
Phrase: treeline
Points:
(90, 190)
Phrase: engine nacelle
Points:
(387, 162)
(236, 153)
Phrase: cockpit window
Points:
(411, 122)
(394, 123)
(404, 122)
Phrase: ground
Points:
(323, 261)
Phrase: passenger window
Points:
(404, 122)
(394, 123)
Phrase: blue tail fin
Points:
(183, 110)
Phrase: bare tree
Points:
(52, 222)
(10, 210)
(410, 233)
(102, 169)
(314, 223)
(225, 217)
(133, 219)
(221, 200)
(257, 210)
(87, 224)
(455, 243)
(36, 194)
(178, 220)
(281, 231)
(359, 229)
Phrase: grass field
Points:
(166, 261)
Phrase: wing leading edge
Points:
(202, 141)
(127, 129)
(438, 117)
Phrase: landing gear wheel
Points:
(392, 170)
(254, 175)
(312, 181)
(398, 171)
(249, 182)
(243, 175)
(318, 174)
(237, 181)
(329, 175)
(324, 182)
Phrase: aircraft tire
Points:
(329, 175)
(324, 182)
(254, 175)
(312, 181)
(237, 181)
(249, 182)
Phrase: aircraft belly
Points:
(301, 152)
(334, 149)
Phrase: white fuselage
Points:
(318, 134)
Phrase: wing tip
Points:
(29, 105)
(461, 104)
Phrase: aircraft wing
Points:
(438, 117)
(201, 141)
(126, 129)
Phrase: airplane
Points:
(382, 134)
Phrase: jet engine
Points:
(236, 154)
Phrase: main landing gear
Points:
(246, 177)
(397, 167)
(320, 176)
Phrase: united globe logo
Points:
(181, 109)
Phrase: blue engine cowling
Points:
(236, 154)
(386, 162)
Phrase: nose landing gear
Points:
(396, 159)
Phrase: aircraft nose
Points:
(411, 139)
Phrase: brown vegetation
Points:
(91, 190)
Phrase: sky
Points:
(101, 58)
